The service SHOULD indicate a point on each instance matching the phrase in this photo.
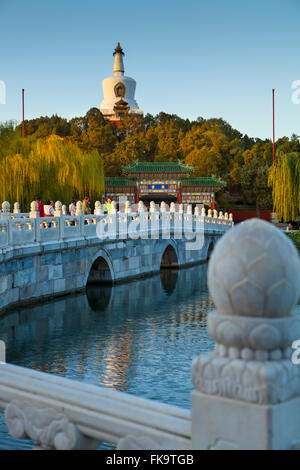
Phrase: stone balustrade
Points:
(20, 228)
(247, 391)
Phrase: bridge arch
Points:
(100, 269)
(170, 258)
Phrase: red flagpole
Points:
(273, 128)
(23, 133)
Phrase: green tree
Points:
(207, 150)
(52, 168)
(254, 184)
(284, 178)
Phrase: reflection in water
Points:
(98, 296)
(139, 337)
(168, 279)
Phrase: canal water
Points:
(138, 337)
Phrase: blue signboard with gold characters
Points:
(148, 187)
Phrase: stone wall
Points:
(55, 268)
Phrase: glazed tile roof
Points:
(197, 181)
(118, 181)
(148, 167)
(201, 181)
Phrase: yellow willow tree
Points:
(284, 178)
(53, 169)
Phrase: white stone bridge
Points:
(247, 391)
(50, 256)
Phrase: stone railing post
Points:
(127, 207)
(16, 208)
(172, 207)
(98, 209)
(154, 221)
(141, 207)
(113, 208)
(5, 209)
(64, 209)
(247, 391)
(34, 213)
(79, 210)
(58, 209)
(163, 207)
(5, 214)
(58, 213)
(79, 213)
(152, 207)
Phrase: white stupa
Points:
(118, 91)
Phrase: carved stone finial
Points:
(98, 208)
(34, 213)
(5, 207)
(163, 207)
(113, 208)
(152, 206)
(16, 208)
(189, 209)
(215, 214)
(203, 212)
(197, 210)
(254, 271)
(141, 207)
(127, 207)
(254, 280)
(172, 207)
(58, 209)
(79, 210)
(209, 213)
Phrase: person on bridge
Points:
(86, 205)
(40, 206)
(48, 209)
(108, 205)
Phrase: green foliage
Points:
(51, 168)
(295, 237)
(284, 178)
(212, 146)
(254, 183)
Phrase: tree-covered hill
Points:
(212, 146)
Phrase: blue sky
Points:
(192, 58)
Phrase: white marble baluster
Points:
(248, 382)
